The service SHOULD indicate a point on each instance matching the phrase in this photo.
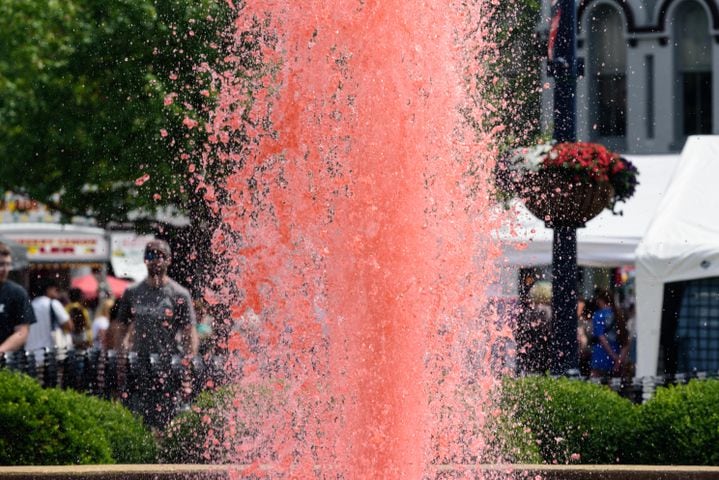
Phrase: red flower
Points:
(590, 159)
(579, 161)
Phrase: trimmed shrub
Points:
(572, 421)
(56, 427)
(196, 435)
(130, 441)
(514, 444)
(679, 425)
(212, 431)
(470, 430)
(42, 427)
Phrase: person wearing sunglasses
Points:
(16, 313)
(156, 313)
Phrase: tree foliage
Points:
(516, 93)
(94, 94)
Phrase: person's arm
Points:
(191, 341)
(16, 340)
(620, 363)
(624, 338)
(112, 336)
(608, 348)
(598, 326)
(63, 318)
(22, 310)
(103, 326)
(128, 337)
(101, 337)
(582, 339)
(123, 333)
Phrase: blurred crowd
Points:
(604, 333)
(65, 319)
(156, 317)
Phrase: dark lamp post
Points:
(563, 66)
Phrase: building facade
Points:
(648, 79)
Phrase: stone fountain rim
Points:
(191, 471)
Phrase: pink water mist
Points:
(356, 221)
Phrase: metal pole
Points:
(564, 357)
(564, 68)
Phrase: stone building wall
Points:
(650, 76)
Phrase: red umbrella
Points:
(88, 285)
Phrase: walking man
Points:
(16, 314)
(155, 312)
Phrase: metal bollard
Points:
(110, 383)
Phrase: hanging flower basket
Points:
(562, 201)
(567, 184)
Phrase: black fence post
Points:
(50, 368)
(199, 375)
(91, 366)
(131, 380)
(73, 371)
(30, 364)
(110, 384)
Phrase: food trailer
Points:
(59, 251)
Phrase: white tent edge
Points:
(608, 240)
(680, 243)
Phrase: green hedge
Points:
(130, 441)
(211, 431)
(679, 425)
(201, 434)
(197, 435)
(55, 427)
(572, 421)
(511, 443)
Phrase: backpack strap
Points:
(53, 317)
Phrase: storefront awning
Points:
(59, 244)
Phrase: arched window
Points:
(692, 50)
(608, 67)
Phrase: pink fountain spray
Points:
(355, 237)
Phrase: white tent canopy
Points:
(608, 240)
(681, 243)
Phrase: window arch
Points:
(607, 74)
(693, 68)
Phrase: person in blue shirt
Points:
(608, 354)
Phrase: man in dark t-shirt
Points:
(158, 309)
(154, 313)
(16, 314)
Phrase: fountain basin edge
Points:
(222, 472)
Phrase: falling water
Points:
(355, 240)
